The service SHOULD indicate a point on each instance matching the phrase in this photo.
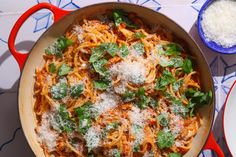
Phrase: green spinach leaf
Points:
(139, 35)
(139, 48)
(102, 84)
(165, 139)
(52, 68)
(153, 103)
(59, 91)
(177, 85)
(62, 121)
(163, 119)
(172, 62)
(97, 53)
(128, 96)
(187, 66)
(172, 49)
(99, 67)
(120, 16)
(76, 90)
(197, 99)
(58, 47)
(124, 50)
(64, 69)
(164, 80)
(84, 116)
(111, 48)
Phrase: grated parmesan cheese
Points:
(219, 21)
(134, 72)
(177, 124)
(136, 116)
(120, 88)
(178, 143)
(79, 31)
(46, 135)
(92, 137)
(105, 102)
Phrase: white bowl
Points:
(229, 120)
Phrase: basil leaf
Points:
(128, 96)
(164, 80)
(187, 66)
(160, 49)
(163, 119)
(62, 121)
(139, 35)
(117, 18)
(101, 84)
(179, 108)
(139, 48)
(64, 69)
(116, 153)
(99, 67)
(63, 42)
(76, 90)
(59, 91)
(153, 103)
(52, 68)
(136, 147)
(198, 97)
(172, 49)
(84, 125)
(140, 91)
(84, 116)
(169, 97)
(97, 53)
(177, 62)
(177, 85)
(172, 62)
(165, 139)
(164, 62)
(84, 110)
(143, 101)
(60, 45)
(124, 50)
(111, 48)
(120, 16)
(174, 155)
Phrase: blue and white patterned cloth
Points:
(184, 12)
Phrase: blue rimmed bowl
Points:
(211, 44)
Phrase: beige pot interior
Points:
(35, 59)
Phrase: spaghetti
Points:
(114, 87)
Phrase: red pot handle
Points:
(57, 12)
(211, 144)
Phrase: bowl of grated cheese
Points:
(216, 25)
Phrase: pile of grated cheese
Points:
(219, 23)
(136, 116)
(105, 102)
(128, 71)
(92, 137)
(46, 135)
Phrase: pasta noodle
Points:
(117, 88)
